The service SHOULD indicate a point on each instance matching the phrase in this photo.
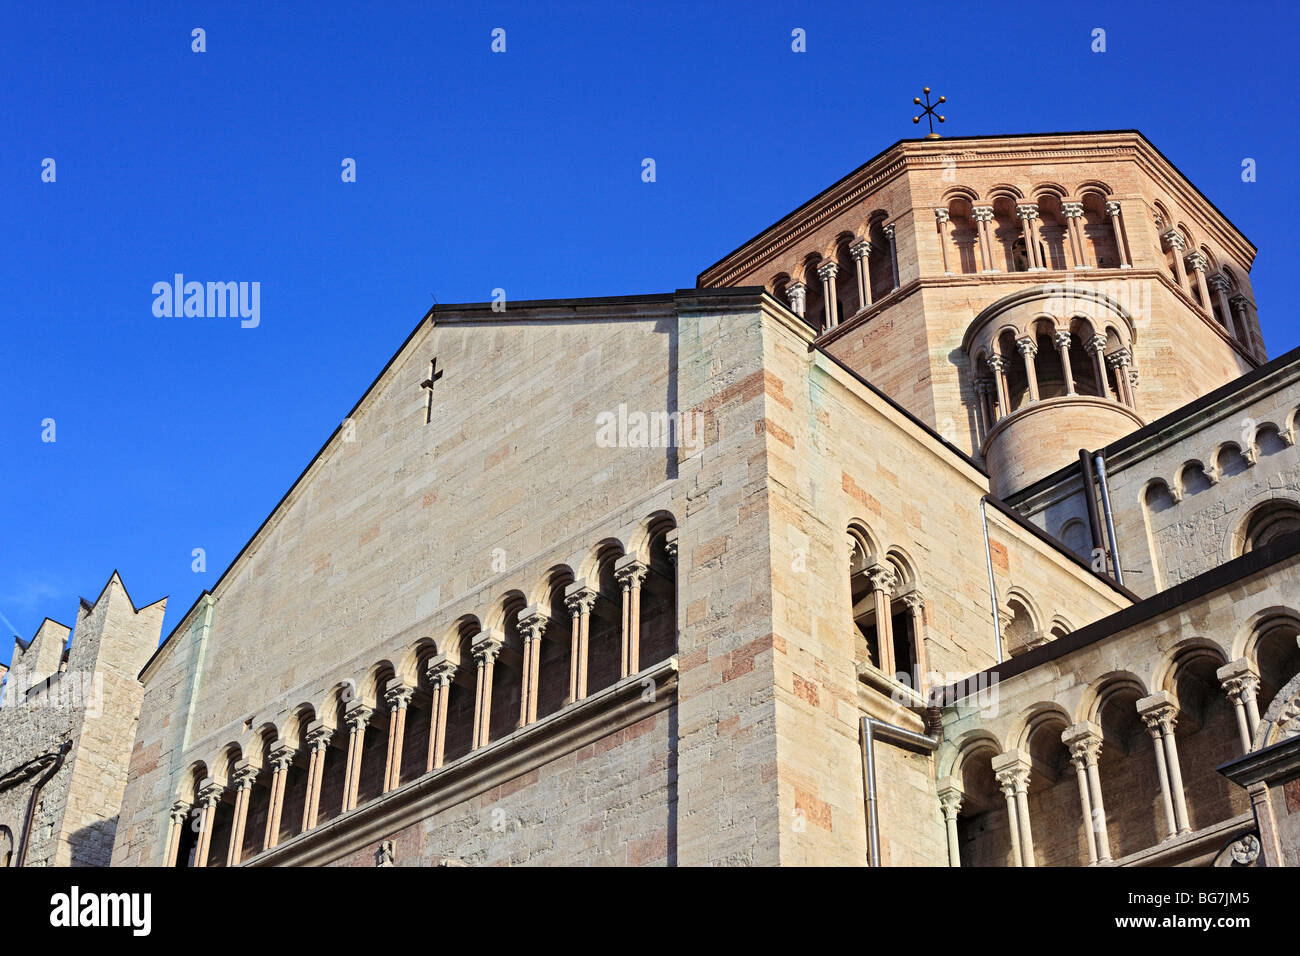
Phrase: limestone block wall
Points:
(839, 455)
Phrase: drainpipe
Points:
(31, 803)
(872, 728)
(993, 591)
(1110, 520)
(1090, 497)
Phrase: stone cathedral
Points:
(952, 520)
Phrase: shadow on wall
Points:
(92, 845)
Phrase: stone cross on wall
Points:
(428, 383)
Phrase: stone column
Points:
(1177, 244)
(1161, 715)
(883, 581)
(999, 366)
(893, 254)
(243, 778)
(579, 599)
(1096, 349)
(941, 222)
(1011, 770)
(1028, 349)
(1073, 212)
(1084, 743)
(630, 573)
(1241, 317)
(209, 794)
(1061, 339)
(179, 814)
(1198, 264)
(357, 718)
(398, 696)
(318, 739)
(441, 673)
(281, 760)
(1028, 215)
(950, 799)
(532, 625)
(1219, 286)
(916, 605)
(827, 272)
(983, 406)
(1121, 239)
(983, 215)
(1119, 362)
(485, 647)
(1240, 682)
(797, 294)
(861, 251)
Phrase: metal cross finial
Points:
(929, 112)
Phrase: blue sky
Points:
(475, 171)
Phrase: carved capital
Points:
(796, 294)
(941, 216)
(1196, 261)
(883, 578)
(1072, 210)
(1027, 346)
(1083, 740)
(486, 646)
(440, 671)
(1095, 344)
(915, 603)
(670, 546)
(1112, 208)
(210, 793)
(1174, 240)
(828, 270)
(244, 775)
(1219, 283)
(179, 811)
(1026, 211)
(357, 717)
(630, 572)
(282, 756)
(982, 213)
(532, 623)
(889, 232)
(997, 363)
(318, 738)
(579, 598)
(1011, 770)
(1119, 358)
(398, 695)
(1061, 339)
(1159, 713)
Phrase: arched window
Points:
(814, 312)
(1060, 834)
(1268, 522)
(1100, 244)
(846, 281)
(1129, 789)
(880, 268)
(983, 824)
(659, 601)
(964, 236)
(507, 672)
(459, 738)
(1206, 733)
(556, 649)
(605, 635)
